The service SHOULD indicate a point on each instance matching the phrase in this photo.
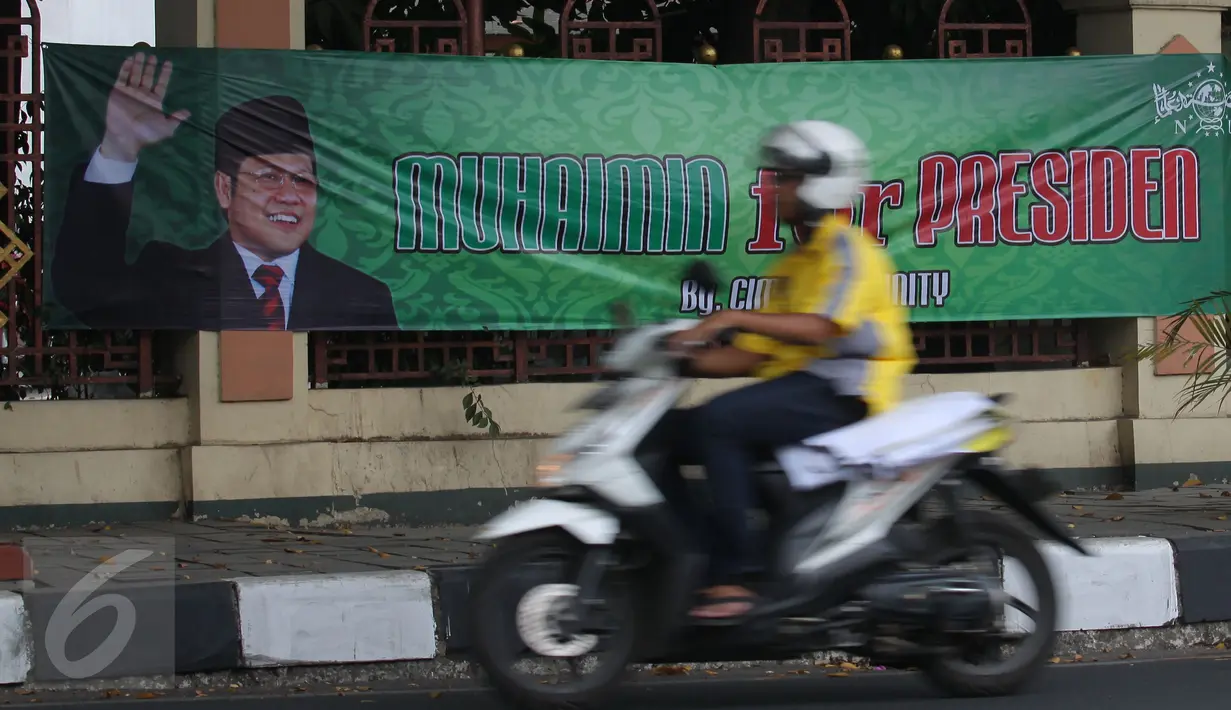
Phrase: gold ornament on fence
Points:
(515, 50)
(1074, 52)
(16, 254)
(893, 51)
(707, 54)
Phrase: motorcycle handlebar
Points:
(724, 338)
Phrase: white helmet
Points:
(833, 160)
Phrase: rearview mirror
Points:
(703, 275)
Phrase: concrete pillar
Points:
(1146, 26)
(1152, 439)
(245, 370)
(268, 24)
(184, 23)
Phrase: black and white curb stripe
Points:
(1129, 583)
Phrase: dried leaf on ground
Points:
(147, 696)
(1192, 482)
(1072, 525)
(847, 665)
(670, 670)
(293, 551)
(1054, 659)
(1078, 507)
(1126, 656)
(1226, 494)
(1114, 496)
(1117, 518)
(1221, 517)
(1220, 646)
(711, 673)
(842, 674)
(1204, 495)
(434, 694)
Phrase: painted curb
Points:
(15, 661)
(332, 619)
(1129, 583)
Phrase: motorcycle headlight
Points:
(548, 473)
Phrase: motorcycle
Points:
(870, 549)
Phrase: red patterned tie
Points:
(269, 277)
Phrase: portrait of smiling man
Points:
(260, 274)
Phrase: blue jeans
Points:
(724, 435)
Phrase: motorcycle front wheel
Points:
(522, 589)
(983, 670)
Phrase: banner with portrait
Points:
(236, 189)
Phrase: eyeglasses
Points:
(273, 180)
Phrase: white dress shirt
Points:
(286, 287)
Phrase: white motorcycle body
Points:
(925, 435)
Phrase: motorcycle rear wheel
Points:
(959, 678)
(492, 615)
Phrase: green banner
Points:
(331, 190)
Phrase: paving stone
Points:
(217, 550)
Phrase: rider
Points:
(830, 347)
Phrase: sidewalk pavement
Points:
(221, 595)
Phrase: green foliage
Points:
(1208, 354)
(477, 413)
(335, 24)
(338, 24)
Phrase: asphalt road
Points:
(1127, 685)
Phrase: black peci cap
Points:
(269, 125)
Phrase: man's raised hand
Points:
(135, 115)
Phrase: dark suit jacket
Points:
(169, 287)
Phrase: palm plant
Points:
(1207, 354)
